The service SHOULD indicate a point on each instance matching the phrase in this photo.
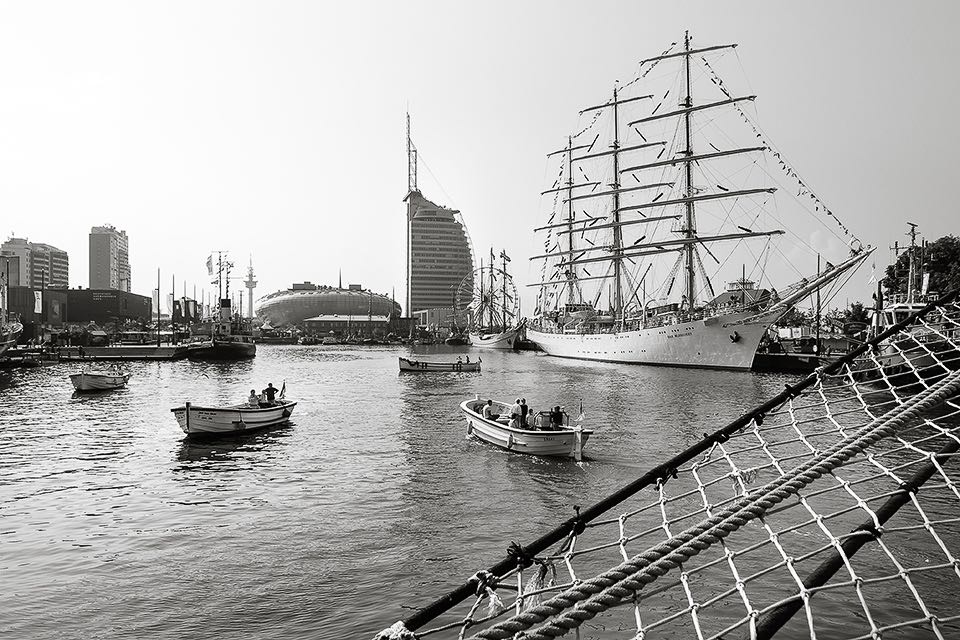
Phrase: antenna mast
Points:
(411, 160)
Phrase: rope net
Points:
(832, 511)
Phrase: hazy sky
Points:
(277, 128)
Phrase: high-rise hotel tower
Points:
(438, 248)
(109, 259)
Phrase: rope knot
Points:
(869, 529)
(485, 580)
(578, 524)
(520, 554)
(792, 392)
(758, 418)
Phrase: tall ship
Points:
(668, 188)
(10, 329)
(488, 298)
(226, 335)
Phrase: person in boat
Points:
(556, 418)
(81, 352)
(270, 394)
(468, 359)
(459, 363)
(515, 412)
(488, 411)
(524, 409)
(254, 399)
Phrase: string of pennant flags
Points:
(803, 190)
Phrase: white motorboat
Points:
(240, 418)
(542, 437)
(104, 380)
(422, 366)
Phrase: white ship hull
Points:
(714, 343)
(503, 340)
(231, 420)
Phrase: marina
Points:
(661, 339)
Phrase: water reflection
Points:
(229, 448)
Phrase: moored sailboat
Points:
(605, 297)
(489, 299)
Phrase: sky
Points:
(277, 129)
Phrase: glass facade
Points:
(438, 254)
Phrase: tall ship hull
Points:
(713, 343)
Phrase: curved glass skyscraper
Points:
(438, 254)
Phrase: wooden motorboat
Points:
(422, 366)
(241, 418)
(103, 380)
(541, 437)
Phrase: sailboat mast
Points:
(690, 231)
(617, 231)
(571, 269)
(493, 297)
(503, 256)
(478, 315)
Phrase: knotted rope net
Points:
(831, 511)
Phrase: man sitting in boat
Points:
(488, 411)
(254, 399)
(269, 394)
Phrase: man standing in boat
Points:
(269, 394)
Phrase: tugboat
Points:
(230, 336)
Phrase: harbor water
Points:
(373, 502)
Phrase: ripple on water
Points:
(113, 525)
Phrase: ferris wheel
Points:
(488, 298)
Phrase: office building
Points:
(34, 264)
(438, 254)
(109, 259)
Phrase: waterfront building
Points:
(109, 259)
(438, 251)
(363, 325)
(307, 300)
(34, 264)
(439, 254)
(60, 306)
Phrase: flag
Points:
(873, 273)
(210, 264)
(283, 389)
(926, 283)
(170, 303)
(177, 315)
(37, 302)
(581, 416)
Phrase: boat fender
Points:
(510, 441)
(735, 337)
(469, 427)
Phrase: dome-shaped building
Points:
(307, 300)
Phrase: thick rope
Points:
(584, 601)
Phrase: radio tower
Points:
(250, 284)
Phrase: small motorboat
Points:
(241, 418)
(544, 435)
(102, 380)
(422, 366)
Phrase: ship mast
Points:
(571, 269)
(493, 296)
(689, 230)
(617, 231)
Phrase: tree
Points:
(941, 260)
